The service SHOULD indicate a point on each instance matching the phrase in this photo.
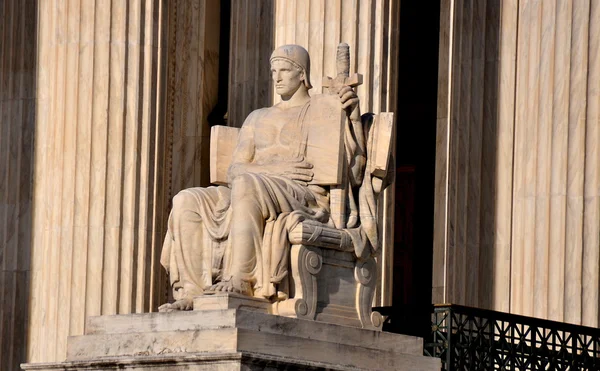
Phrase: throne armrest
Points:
(313, 234)
(327, 282)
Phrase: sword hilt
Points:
(342, 64)
(343, 60)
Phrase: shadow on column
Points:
(18, 49)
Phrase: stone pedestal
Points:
(229, 332)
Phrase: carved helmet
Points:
(296, 55)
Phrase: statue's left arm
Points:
(354, 136)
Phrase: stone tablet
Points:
(325, 143)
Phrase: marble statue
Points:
(235, 237)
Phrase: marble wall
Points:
(98, 191)
(518, 181)
(17, 125)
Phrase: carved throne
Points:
(327, 282)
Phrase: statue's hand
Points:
(349, 101)
(299, 171)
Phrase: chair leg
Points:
(305, 265)
(365, 273)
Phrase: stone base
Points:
(221, 338)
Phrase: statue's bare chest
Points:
(278, 129)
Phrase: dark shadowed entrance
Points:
(415, 165)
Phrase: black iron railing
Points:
(475, 339)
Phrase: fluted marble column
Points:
(521, 228)
(251, 44)
(473, 226)
(371, 28)
(17, 124)
(193, 76)
(99, 164)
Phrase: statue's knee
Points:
(182, 200)
(242, 186)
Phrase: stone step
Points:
(151, 343)
(254, 321)
(150, 322)
(338, 354)
(229, 340)
(329, 332)
(210, 311)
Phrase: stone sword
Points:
(338, 192)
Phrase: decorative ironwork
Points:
(475, 339)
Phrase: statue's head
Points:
(297, 56)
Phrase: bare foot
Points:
(233, 285)
(181, 304)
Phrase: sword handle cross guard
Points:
(343, 77)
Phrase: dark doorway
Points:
(415, 166)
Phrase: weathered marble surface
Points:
(233, 338)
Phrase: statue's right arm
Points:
(244, 151)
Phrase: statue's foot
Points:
(233, 285)
(181, 304)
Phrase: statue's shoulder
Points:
(255, 115)
(260, 111)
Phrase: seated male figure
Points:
(235, 239)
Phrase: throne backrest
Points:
(223, 140)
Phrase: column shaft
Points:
(193, 80)
(99, 166)
(251, 44)
(522, 191)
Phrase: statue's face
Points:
(287, 77)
